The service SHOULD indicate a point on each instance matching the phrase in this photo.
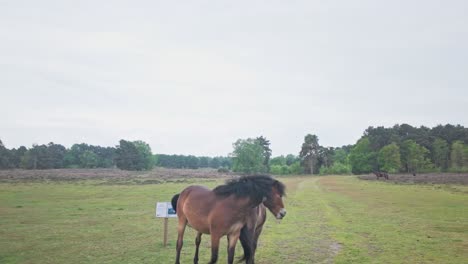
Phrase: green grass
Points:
(329, 220)
(379, 222)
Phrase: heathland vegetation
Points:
(401, 148)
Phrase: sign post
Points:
(165, 231)
(165, 210)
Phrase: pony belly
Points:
(200, 227)
(198, 221)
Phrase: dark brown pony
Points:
(380, 174)
(228, 210)
(251, 232)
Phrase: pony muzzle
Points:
(281, 214)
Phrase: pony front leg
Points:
(214, 247)
(180, 237)
(197, 246)
(232, 241)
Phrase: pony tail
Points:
(174, 202)
(246, 239)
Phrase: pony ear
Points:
(276, 184)
(280, 186)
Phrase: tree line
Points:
(192, 162)
(401, 148)
(397, 149)
(128, 155)
(404, 148)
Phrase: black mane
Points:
(254, 186)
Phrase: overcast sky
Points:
(192, 77)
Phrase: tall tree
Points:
(55, 153)
(309, 153)
(440, 153)
(362, 159)
(340, 162)
(5, 157)
(450, 133)
(37, 157)
(414, 156)
(204, 162)
(72, 158)
(17, 154)
(265, 144)
(127, 156)
(290, 159)
(105, 156)
(248, 156)
(389, 158)
(226, 162)
(145, 156)
(325, 156)
(192, 162)
(88, 159)
(215, 162)
(458, 156)
(380, 137)
(340, 156)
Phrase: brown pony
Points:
(381, 174)
(251, 232)
(228, 210)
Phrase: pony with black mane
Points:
(381, 174)
(231, 210)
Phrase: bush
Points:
(337, 168)
(223, 170)
(280, 170)
(296, 168)
(275, 169)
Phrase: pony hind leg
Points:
(197, 246)
(180, 237)
(258, 231)
(247, 239)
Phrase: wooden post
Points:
(165, 231)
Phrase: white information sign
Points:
(164, 209)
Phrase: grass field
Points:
(330, 220)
